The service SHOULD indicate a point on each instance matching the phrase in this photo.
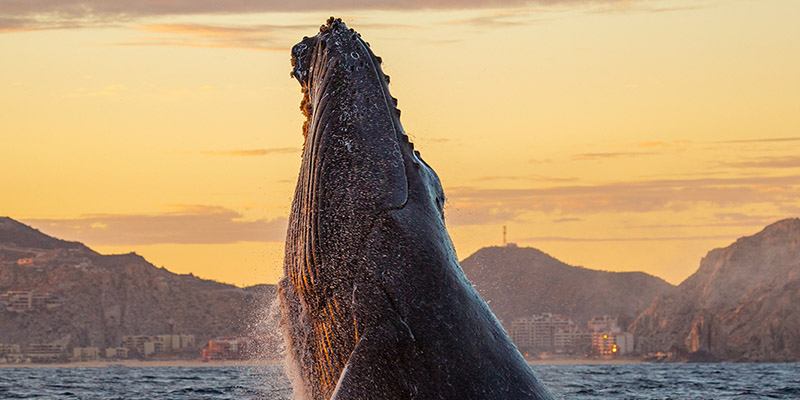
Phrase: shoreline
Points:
(148, 364)
(262, 363)
(585, 361)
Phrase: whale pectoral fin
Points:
(373, 370)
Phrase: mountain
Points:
(15, 234)
(100, 298)
(741, 304)
(517, 282)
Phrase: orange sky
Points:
(618, 135)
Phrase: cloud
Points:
(487, 214)
(531, 178)
(633, 196)
(767, 162)
(720, 220)
(560, 220)
(253, 152)
(46, 14)
(252, 37)
(503, 18)
(597, 156)
(622, 6)
(622, 239)
(187, 224)
(763, 140)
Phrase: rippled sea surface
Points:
(597, 381)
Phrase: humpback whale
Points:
(373, 300)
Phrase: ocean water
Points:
(597, 381)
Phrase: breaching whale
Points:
(374, 302)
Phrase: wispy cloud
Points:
(486, 214)
(766, 162)
(253, 37)
(719, 220)
(252, 152)
(561, 220)
(503, 18)
(763, 140)
(529, 178)
(633, 196)
(46, 14)
(642, 6)
(185, 224)
(22, 24)
(622, 239)
(597, 156)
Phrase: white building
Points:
(604, 323)
(9, 349)
(85, 353)
(547, 332)
(116, 352)
(610, 344)
(146, 345)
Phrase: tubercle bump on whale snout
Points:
(301, 59)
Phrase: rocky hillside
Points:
(103, 297)
(741, 304)
(518, 282)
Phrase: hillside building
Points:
(21, 301)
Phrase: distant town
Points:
(548, 334)
(141, 347)
(61, 302)
(539, 336)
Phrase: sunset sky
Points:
(617, 135)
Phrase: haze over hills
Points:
(743, 303)
(103, 297)
(518, 282)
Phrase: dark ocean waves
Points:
(589, 381)
(672, 381)
(144, 383)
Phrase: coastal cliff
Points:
(740, 305)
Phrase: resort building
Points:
(604, 323)
(117, 352)
(236, 348)
(85, 353)
(21, 301)
(43, 352)
(611, 344)
(9, 349)
(548, 333)
(147, 345)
